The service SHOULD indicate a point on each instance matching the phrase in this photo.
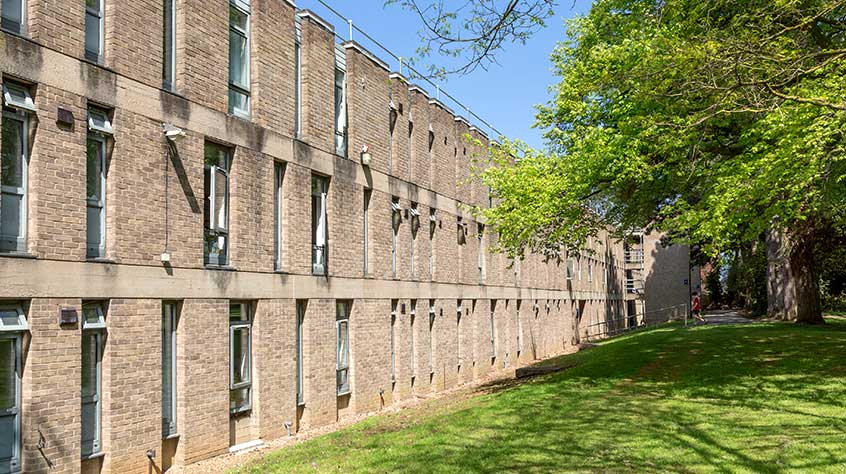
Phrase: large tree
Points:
(717, 121)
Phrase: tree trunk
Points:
(792, 285)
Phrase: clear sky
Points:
(505, 95)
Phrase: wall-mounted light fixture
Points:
(172, 132)
(365, 155)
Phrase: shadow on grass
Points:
(762, 398)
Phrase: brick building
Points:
(194, 256)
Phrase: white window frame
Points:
(458, 318)
(412, 316)
(393, 341)
(169, 324)
(17, 27)
(340, 101)
(169, 41)
(415, 227)
(342, 319)
(480, 259)
(301, 311)
(433, 225)
(431, 337)
(243, 324)
(278, 202)
(368, 196)
(95, 330)
(15, 334)
(96, 56)
(298, 77)
(97, 249)
(243, 7)
(214, 229)
(320, 229)
(14, 112)
(396, 221)
(493, 329)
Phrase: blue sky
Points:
(505, 95)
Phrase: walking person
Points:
(696, 308)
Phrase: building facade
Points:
(219, 224)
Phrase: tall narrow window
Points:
(570, 268)
(298, 77)
(14, 164)
(239, 58)
(240, 357)
(519, 330)
(13, 325)
(393, 340)
(277, 214)
(93, 327)
(433, 224)
(340, 101)
(301, 310)
(411, 318)
(480, 260)
(319, 190)
(393, 115)
(366, 230)
(396, 220)
(431, 336)
(169, 45)
(415, 226)
(94, 29)
(168, 369)
(99, 130)
(14, 16)
(216, 185)
(590, 271)
(458, 332)
(493, 329)
(342, 330)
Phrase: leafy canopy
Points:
(703, 118)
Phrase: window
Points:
(93, 327)
(277, 214)
(519, 330)
(301, 310)
(393, 340)
(216, 186)
(240, 357)
(431, 336)
(462, 231)
(433, 223)
(340, 101)
(393, 114)
(319, 190)
(415, 226)
(411, 318)
(366, 224)
(480, 263)
(14, 16)
(458, 332)
(94, 30)
(298, 77)
(579, 269)
(239, 58)
(493, 329)
(396, 220)
(14, 164)
(169, 46)
(99, 130)
(590, 271)
(570, 268)
(342, 330)
(168, 369)
(13, 325)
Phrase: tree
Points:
(716, 121)
(475, 31)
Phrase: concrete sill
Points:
(99, 260)
(246, 447)
(173, 436)
(25, 255)
(345, 394)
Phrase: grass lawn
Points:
(761, 398)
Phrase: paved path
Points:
(725, 317)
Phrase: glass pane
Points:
(94, 230)
(237, 18)
(8, 374)
(7, 438)
(238, 102)
(167, 368)
(89, 365)
(12, 14)
(9, 317)
(221, 186)
(216, 155)
(239, 73)
(12, 153)
(239, 399)
(92, 314)
(89, 425)
(93, 4)
(343, 380)
(94, 167)
(10, 220)
(343, 344)
(92, 35)
(238, 312)
(240, 355)
(168, 46)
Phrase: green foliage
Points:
(714, 287)
(761, 398)
(746, 285)
(703, 119)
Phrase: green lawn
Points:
(762, 398)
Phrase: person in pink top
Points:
(696, 308)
